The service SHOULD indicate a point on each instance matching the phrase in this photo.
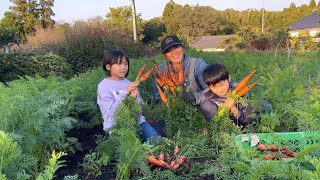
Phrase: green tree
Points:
(293, 6)
(7, 38)
(25, 15)
(312, 4)
(45, 13)
(120, 20)
(167, 17)
(194, 21)
(153, 30)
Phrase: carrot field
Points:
(51, 128)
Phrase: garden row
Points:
(36, 112)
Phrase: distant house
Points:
(210, 43)
(309, 24)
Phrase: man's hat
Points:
(169, 41)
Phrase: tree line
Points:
(188, 22)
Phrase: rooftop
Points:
(310, 21)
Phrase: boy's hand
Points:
(230, 104)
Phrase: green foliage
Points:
(127, 115)
(7, 35)
(131, 151)
(19, 64)
(26, 15)
(93, 163)
(124, 142)
(120, 20)
(286, 97)
(85, 46)
(182, 115)
(152, 30)
(261, 43)
(39, 112)
(13, 162)
(53, 166)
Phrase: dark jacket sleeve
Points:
(243, 115)
(208, 109)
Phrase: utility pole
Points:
(262, 21)
(134, 21)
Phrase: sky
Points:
(71, 10)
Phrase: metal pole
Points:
(262, 24)
(134, 20)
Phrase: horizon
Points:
(100, 9)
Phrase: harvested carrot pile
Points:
(167, 161)
(274, 152)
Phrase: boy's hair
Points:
(115, 56)
(214, 73)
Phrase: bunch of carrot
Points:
(163, 161)
(143, 77)
(172, 79)
(274, 152)
(241, 89)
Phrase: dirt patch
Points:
(87, 138)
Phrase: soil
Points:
(87, 138)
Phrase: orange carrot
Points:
(146, 75)
(159, 81)
(180, 160)
(167, 81)
(162, 77)
(288, 152)
(142, 69)
(175, 150)
(161, 156)
(243, 91)
(244, 81)
(272, 147)
(175, 166)
(171, 88)
(155, 161)
(262, 147)
(172, 163)
(269, 157)
(173, 76)
(180, 75)
(177, 163)
(162, 95)
(156, 68)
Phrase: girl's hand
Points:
(132, 86)
(132, 89)
(134, 93)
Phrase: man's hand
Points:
(188, 97)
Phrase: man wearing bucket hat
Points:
(172, 49)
